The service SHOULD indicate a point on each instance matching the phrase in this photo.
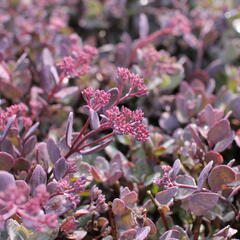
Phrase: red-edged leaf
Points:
(6, 161)
(220, 176)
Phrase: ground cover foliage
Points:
(119, 119)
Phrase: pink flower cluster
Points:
(154, 62)
(96, 99)
(125, 121)
(165, 181)
(77, 64)
(136, 83)
(179, 24)
(16, 200)
(98, 200)
(18, 110)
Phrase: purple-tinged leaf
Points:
(142, 233)
(128, 234)
(21, 164)
(60, 168)
(10, 91)
(6, 161)
(31, 130)
(204, 175)
(168, 122)
(66, 92)
(143, 25)
(114, 176)
(217, 158)
(210, 116)
(48, 81)
(200, 203)
(54, 73)
(81, 212)
(97, 148)
(7, 146)
(113, 98)
(195, 135)
(95, 123)
(52, 187)
(176, 168)
(171, 234)
(53, 150)
(226, 233)
(57, 204)
(101, 163)
(130, 198)
(38, 177)
(6, 179)
(225, 143)
(235, 107)
(22, 63)
(69, 130)
(220, 176)
(165, 197)
(7, 128)
(118, 207)
(185, 180)
(29, 145)
(23, 185)
(218, 132)
(97, 175)
(47, 58)
(149, 222)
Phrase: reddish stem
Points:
(96, 141)
(150, 38)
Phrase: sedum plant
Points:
(119, 120)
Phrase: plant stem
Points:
(161, 212)
(148, 39)
(112, 222)
(96, 141)
(196, 227)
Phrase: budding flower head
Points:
(136, 83)
(125, 121)
(165, 181)
(96, 99)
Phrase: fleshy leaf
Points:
(130, 198)
(6, 161)
(5, 179)
(200, 203)
(218, 132)
(95, 123)
(204, 175)
(171, 234)
(235, 107)
(53, 150)
(118, 206)
(222, 145)
(29, 145)
(164, 197)
(38, 177)
(31, 130)
(213, 156)
(60, 168)
(142, 233)
(7, 127)
(113, 98)
(220, 176)
(176, 168)
(97, 148)
(66, 92)
(185, 180)
(69, 129)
